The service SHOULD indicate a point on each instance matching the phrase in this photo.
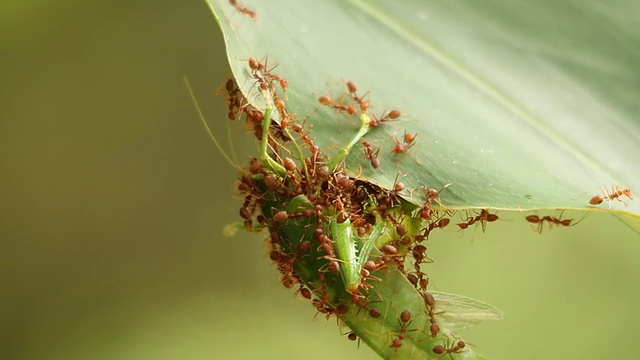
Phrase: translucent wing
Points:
(460, 312)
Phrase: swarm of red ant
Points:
(345, 244)
(348, 246)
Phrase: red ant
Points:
(304, 135)
(417, 278)
(382, 263)
(326, 245)
(243, 10)
(484, 217)
(353, 337)
(350, 109)
(326, 100)
(539, 221)
(375, 313)
(284, 115)
(285, 265)
(405, 145)
(615, 194)
(371, 154)
(284, 84)
(305, 292)
(432, 195)
(237, 106)
(390, 115)
(391, 198)
(440, 223)
(255, 64)
(405, 321)
(269, 76)
(430, 304)
(264, 84)
(464, 225)
(323, 304)
(248, 207)
(456, 348)
(352, 88)
(341, 309)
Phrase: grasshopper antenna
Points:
(206, 126)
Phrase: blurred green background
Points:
(113, 197)
(113, 200)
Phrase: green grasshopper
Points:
(351, 258)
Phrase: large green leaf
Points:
(520, 105)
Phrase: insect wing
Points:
(368, 244)
(460, 312)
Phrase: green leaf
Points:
(520, 105)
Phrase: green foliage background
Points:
(113, 199)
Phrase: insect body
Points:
(243, 10)
(483, 218)
(559, 221)
(405, 321)
(351, 258)
(457, 347)
(616, 193)
(539, 221)
(371, 154)
(405, 145)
